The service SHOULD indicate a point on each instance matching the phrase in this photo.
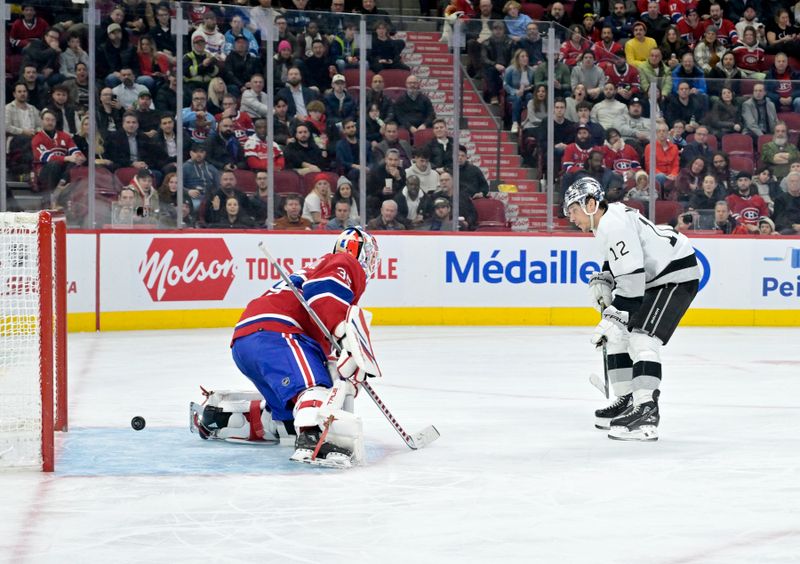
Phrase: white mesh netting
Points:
(20, 396)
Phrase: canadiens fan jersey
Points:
(329, 285)
(47, 149)
(641, 255)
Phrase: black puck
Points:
(138, 423)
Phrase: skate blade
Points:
(643, 434)
(334, 460)
(602, 423)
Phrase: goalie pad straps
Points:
(317, 404)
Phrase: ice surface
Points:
(518, 475)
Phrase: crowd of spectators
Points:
(721, 70)
(727, 81)
(316, 152)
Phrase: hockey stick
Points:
(594, 378)
(419, 440)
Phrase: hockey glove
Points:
(611, 328)
(601, 285)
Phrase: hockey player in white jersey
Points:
(648, 280)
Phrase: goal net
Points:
(32, 338)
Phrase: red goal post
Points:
(33, 338)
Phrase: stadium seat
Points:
(763, 140)
(637, 205)
(351, 77)
(394, 78)
(737, 144)
(354, 92)
(747, 87)
(106, 184)
(245, 180)
(288, 182)
(711, 140)
(491, 215)
(394, 93)
(792, 121)
(742, 163)
(534, 11)
(404, 134)
(667, 211)
(309, 179)
(125, 174)
(422, 137)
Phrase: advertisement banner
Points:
(203, 272)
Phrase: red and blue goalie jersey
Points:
(330, 285)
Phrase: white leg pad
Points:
(315, 406)
(643, 347)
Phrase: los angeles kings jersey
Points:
(641, 255)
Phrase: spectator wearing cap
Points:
(199, 66)
(745, 204)
(128, 90)
(237, 31)
(67, 119)
(413, 109)
(296, 95)
(625, 79)
(199, 177)
(339, 105)
(766, 226)
(442, 219)
(303, 155)
(637, 49)
(114, 55)
(346, 193)
(575, 154)
(129, 147)
(27, 28)
(634, 128)
(240, 65)
(609, 111)
(284, 59)
(656, 22)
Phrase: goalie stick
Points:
(416, 441)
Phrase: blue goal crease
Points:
(172, 451)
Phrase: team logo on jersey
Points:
(187, 269)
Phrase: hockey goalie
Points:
(302, 390)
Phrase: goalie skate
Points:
(328, 456)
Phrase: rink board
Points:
(160, 280)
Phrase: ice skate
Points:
(329, 455)
(640, 423)
(603, 417)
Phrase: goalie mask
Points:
(581, 190)
(361, 246)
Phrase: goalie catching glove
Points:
(356, 360)
(601, 284)
(612, 328)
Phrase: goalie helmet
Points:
(580, 190)
(361, 246)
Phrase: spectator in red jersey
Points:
(26, 28)
(745, 204)
(607, 49)
(783, 87)
(750, 55)
(242, 123)
(54, 153)
(577, 153)
(618, 156)
(255, 149)
(726, 31)
(625, 79)
(575, 46)
(691, 28)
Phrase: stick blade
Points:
(425, 437)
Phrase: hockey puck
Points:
(138, 423)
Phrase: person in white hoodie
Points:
(422, 169)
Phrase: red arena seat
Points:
(394, 78)
(737, 144)
(245, 180)
(491, 215)
(288, 182)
